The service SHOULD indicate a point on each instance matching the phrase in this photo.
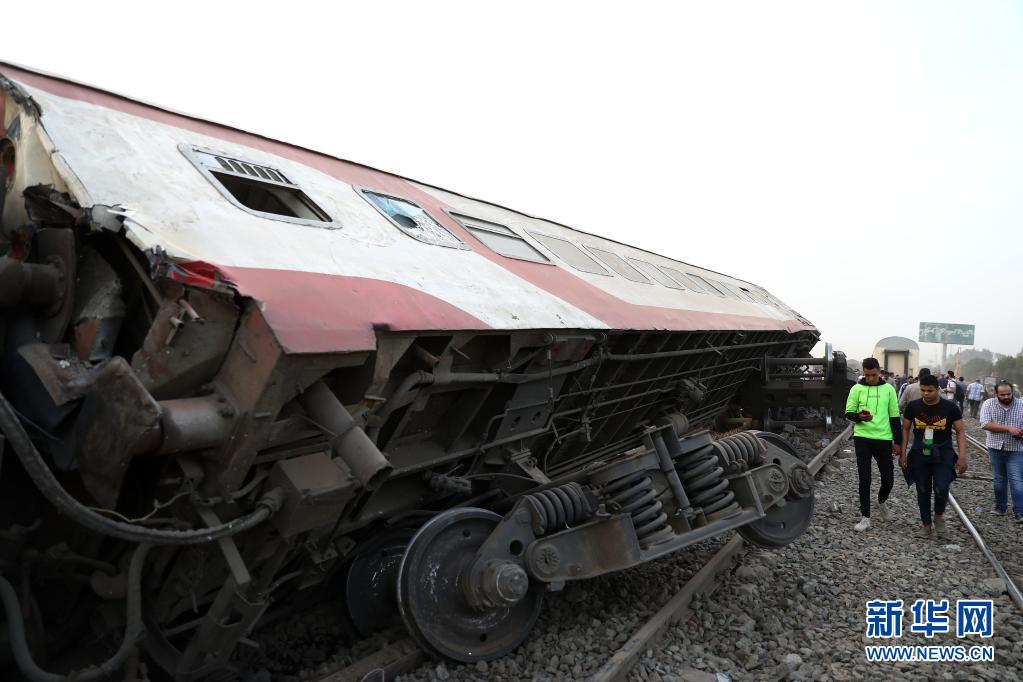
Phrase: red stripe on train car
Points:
(315, 313)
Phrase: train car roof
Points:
(228, 126)
(133, 127)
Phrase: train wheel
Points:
(432, 600)
(782, 525)
(370, 588)
(786, 522)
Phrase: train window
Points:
(571, 254)
(618, 264)
(774, 301)
(733, 290)
(258, 189)
(651, 270)
(745, 293)
(500, 239)
(724, 288)
(707, 285)
(754, 295)
(412, 220)
(729, 291)
(684, 280)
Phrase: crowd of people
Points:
(918, 420)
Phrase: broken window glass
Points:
(755, 295)
(413, 220)
(738, 292)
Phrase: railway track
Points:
(847, 661)
(1011, 587)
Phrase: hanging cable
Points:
(133, 629)
(37, 469)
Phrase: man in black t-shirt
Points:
(931, 461)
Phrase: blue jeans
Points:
(1007, 467)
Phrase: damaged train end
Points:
(177, 471)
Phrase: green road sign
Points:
(940, 332)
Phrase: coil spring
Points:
(705, 484)
(634, 494)
(703, 472)
(740, 452)
(562, 506)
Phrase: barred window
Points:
(256, 188)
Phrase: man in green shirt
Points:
(877, 434)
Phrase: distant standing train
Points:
(236, 371)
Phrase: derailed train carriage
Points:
(235, 371)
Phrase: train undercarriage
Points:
(172, 478)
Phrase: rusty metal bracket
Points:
(232, 557)
(598, 547)
(117, 414)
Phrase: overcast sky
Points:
(863, 161)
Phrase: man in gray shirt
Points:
(912, 391)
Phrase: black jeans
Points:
(936, 471)
(974, 406)
(881, 452)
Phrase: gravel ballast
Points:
(799, 612)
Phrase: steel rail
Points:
(677, 610)
(975, 442)
(1010, 585)
(398, 658)
(968, 476)
(824, 456)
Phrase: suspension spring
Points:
(740, 452)
(634, 494)
(562, 506)
(704, 482)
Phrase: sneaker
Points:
(883, 512)
(863, 525)
(1019, 520)
(924, 533)
(939, 526)
(997, 512)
